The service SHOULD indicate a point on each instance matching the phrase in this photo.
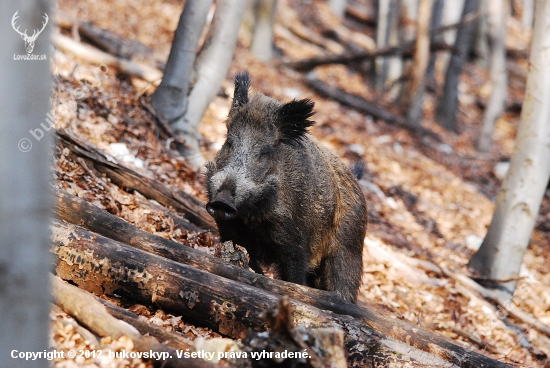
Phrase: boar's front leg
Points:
(253, 263)
(293, 263)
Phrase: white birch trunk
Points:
(501, 253)
(25, 173)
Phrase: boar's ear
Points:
(242, 85)
(293, 120)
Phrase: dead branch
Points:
(96, 56)
(192, 208)
(481, 343)
(91, 313)
(359, 103)
(76, 210)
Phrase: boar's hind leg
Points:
(342, 273)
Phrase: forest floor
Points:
(427, 199)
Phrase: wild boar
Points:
(285, 198)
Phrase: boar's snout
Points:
(221, 207)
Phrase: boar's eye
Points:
(266, 151)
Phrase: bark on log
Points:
(101, 265)
(396, 329)
(89, 311)
(192, 208)
(79, 212)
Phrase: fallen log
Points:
(171, 339)
(192, 208)
(104, 39)
(325, 346)
(88, 336)
(96, 56)
(79, 212)
(348, 57)
(87, 310)
(359, 103)
(104, 266)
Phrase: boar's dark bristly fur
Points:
(289, 201)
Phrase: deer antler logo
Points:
(29, 40)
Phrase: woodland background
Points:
(430, 192)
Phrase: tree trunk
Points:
(25, 144)
(497, 13)
(452, 10)
(481, 32)
(448, 104)
(387, 15)
(435, 22)
(264, 19)
(395, 35)
(415, 93)
(170, 98)
(501, 253)
(211, 67)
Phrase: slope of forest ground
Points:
(427, 199)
